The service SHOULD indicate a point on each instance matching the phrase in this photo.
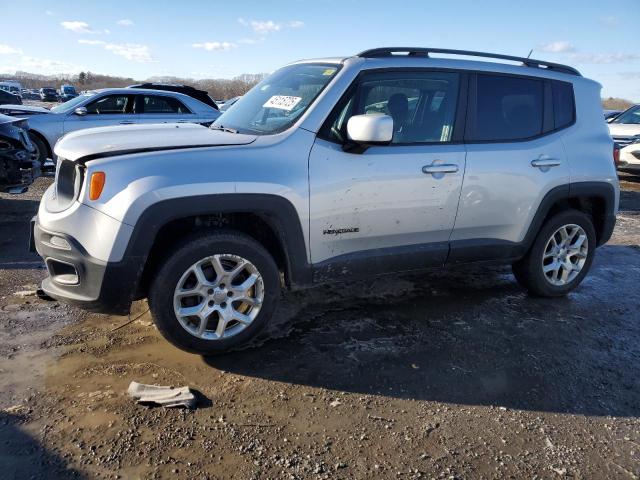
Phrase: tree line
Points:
(219, 89)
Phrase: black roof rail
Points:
(424, 52)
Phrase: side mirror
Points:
(370, 129)
(82, 111)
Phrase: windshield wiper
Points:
(224, 129)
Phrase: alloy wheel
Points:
(565, 254)
(218, 296)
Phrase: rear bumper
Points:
(78, 278)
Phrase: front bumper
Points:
(630, 158)
(78, 278)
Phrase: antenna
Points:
(530, 52)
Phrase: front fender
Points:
(276, 211)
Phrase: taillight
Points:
(616, 154)
(96, 184)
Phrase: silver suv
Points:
(390, 160)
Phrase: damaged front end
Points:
(16, 151)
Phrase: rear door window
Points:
(506, 108)
(159, 104)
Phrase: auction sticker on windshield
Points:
(283, 102)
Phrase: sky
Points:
(222, 39)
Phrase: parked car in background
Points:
(184, 89)
(67, 92)
(15, 151)
(12, 87)
(228, 104)
(611, 114)
(9, 98)
(383, 162)
(48, 94)
(30, 94)
(112, 106)
(625, 130)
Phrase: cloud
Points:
(80, 27)
(131, 51)
(610, 21)
(215, 46)
(263, 27)
(604, 58)
(91, 42)
(9, 50)
(630, 75)
(572, 54)
(557, 47)
(43, 66)
(125, 22)
(48, 13)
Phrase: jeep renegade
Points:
(390, 160)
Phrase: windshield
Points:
(631, 116)
(71, 104)
(68, 90)
(279, 100)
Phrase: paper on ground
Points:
(165, 396)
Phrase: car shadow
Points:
(22, 456)
(467, 336)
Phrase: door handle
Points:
(126, 122)
(441, 168)
(545, 162)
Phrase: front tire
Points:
(214, 292)
(40, 153)
(560, 256)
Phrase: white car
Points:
(625, 130)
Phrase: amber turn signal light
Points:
(96, 184)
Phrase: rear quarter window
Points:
(506, 108)
(564, 107)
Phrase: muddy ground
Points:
(454, 375)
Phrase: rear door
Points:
(158, 108)
(515, 156)
(103, 111)
(391, 207)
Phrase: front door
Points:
(390, 207)
(103, 111)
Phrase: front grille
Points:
(67, 184)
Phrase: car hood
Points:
(22, 109)
(101, 142)
(623, 129)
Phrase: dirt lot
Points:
(455, 375)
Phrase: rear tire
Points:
(560, 257)
(222, 313)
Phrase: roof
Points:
(418, 55)
(424, 53)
